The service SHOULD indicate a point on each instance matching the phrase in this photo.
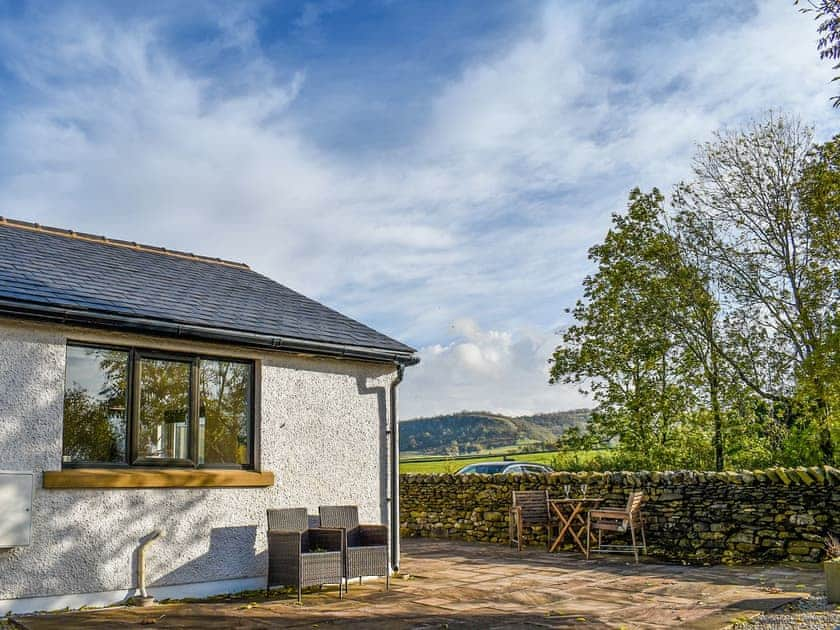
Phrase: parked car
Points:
(504, 468)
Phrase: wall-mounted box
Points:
(15, 508)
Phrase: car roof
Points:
(503, 464)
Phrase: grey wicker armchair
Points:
(365, 546)
(302, 556)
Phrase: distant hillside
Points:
(559, 421)
(476, 431)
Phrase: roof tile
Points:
(52, 267)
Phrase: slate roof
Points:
(59, 268)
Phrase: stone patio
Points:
(448, 584)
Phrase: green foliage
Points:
(90, 435)
(557, 459)
(95, 409)
(224, 388)
(827, 15)
(708, 334)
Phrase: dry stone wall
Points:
(695, 517)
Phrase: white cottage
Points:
(145, 389)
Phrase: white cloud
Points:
(484, 220)
(500, 371)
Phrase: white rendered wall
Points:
(321, 430)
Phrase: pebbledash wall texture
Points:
(321, 430)
(694, 517)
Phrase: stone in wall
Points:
(695, 517)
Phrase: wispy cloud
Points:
(483, 211)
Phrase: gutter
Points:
(395, 471)
(127, 323)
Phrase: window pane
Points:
(164, 409)
(95, 408)
(224, 421)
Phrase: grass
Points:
(510, 449)
(565, 460)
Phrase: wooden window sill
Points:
(155, 478)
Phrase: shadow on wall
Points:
(237, 542)
(67, 558)
(86, 541)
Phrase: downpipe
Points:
(395, 472)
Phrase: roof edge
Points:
(115, 242)
(123, 323)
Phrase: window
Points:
(163, 413)
(534, 470)
(137, 407)
(224, 417)
(96, 405)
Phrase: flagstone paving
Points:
(448, 584)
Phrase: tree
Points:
(224, 388)
(715, 327)
(89, 432)
(819, 190)
(827, 15)
(624, 346)
(742, 219)
(695, 317)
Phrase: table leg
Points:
(577, 514)
(562, 532)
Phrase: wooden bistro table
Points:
(572, 516)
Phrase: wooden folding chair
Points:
(530, 508)
(620, 520)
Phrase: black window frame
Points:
(135, 355)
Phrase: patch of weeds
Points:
(246, 596)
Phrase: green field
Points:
(498, 451)
(565, 460)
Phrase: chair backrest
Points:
(344, 516)
(634, 501)
(534, 504)
(288, 520)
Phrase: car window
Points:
(514, 470)
(482, 469)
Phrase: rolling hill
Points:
(479, 431)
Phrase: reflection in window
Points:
(116, 398)
(224, 412)
(164, 409)
(95, 405)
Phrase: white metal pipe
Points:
(141, 561)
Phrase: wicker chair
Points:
(365, 546)
(302, 556)
(530, 508)
(627, 519)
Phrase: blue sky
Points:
(435, 169)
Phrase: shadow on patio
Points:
(464, 585)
